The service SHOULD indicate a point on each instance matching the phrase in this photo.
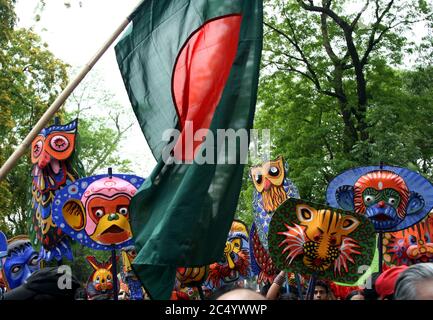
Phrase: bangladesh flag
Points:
(192, 66)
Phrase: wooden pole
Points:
(114, 272)
(55, 106)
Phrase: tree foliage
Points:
(31, 77)
(335, 90)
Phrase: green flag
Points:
(189, 65)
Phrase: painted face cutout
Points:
(21, 261)
(325, 231)
(101, 280)
(272, 187)
(235, 263)
(392, 198)
(52, 170)
(269, 174)
(410, 246)
(111, 219)
(57, 145)
(95, 210)
(309, 238)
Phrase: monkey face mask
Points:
(95, 210)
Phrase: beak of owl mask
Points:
(113, 228)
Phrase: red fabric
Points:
(200, 74)
(385, 283)
(341, 292)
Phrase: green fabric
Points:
(182, 213)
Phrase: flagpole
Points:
(55, 106)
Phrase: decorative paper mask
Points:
(191, 276)
(53, 169)
(187, 282)
(310, 238)
(132, 283)
(101, 280)
(21, 261)
(272, 187)
(392, 198)
(3, 248)
(235, 264)
(261, 262)
(410, 246)
(95, 210)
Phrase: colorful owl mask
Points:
(53, 169)
(310, 238)
(95, 210)
(235, 263)
(21, 261)
(272, 187)
(410, 246)
(392, 198)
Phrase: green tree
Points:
(30, 79)
(334, 91)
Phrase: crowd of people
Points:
(396, 283)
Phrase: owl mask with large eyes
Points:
(54, 143)
(51, 155)
(268, 175)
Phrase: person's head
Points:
(385, 283)
(356, 295)
(415, 283)
(241, 294)
(321, 291)
(46, 284)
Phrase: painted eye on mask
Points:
(258, 178)
(392, 201)
(97, 280)
(16, 269)
(368, 199)
(33, 262)
(274, 171)
(123, 211)
(37, 149)
(59, 143)
(99, 213)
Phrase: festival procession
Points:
(290, 155)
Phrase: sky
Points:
(74, 35)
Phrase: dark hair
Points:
(289, 296)
(355, 293)
(264, 290)
(323, 284)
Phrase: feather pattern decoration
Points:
(55, 166)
